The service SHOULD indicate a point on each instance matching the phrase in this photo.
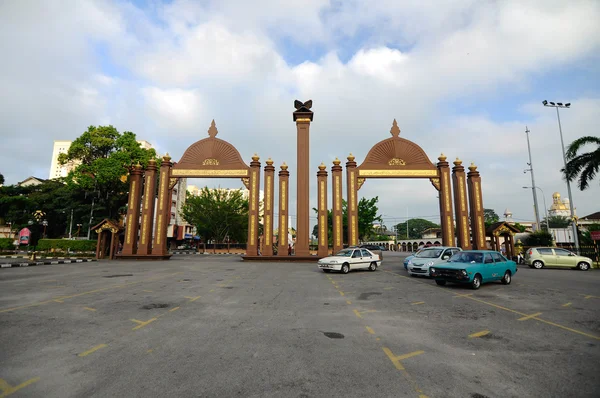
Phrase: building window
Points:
(174, 204)
(174, 192)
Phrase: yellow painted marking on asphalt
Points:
(142, 324)
(396, 359)
(479, 334)
(58, 301)
(149, 351)
(91, 350)
(7, 389)
(211, 290)
(513, 311)
(89, 309)
(348, 302)
(192, 298)
(464, 295)
(417, 302)
(377, 339)
(357, 313)
(84, 293)
(566, 305)
(341, 293)
(589, 296)
(526, 317)
(174, 309)
(370, 330)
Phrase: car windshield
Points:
(431, 253)
(344, 253)
(466, 257)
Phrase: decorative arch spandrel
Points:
(211, 157)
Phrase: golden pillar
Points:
(284, 178)
(461, 208)
(323, 214)
(268, 220)
(476, 209)
(133, 211)
(445, 202)
(303, 116)
(336, 198)
(352, 181)
(163, 213)
(145, 246)
(252, 246)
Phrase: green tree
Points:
(557, 221)
(586, 236)
(1, 180)
(217, 213)
(520, 227)
(416, 227)
(102, 157)
(539, 238)
(585, 165)
(490, 217)
(367, 215)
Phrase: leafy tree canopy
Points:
(490, 217)
(557, 222)
(1, 179)
(416, 227)
(538, 238)
(585, 165)
(102, 157)
(218, 213)
(520, 227)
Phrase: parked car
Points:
(373, 248)
(475, 267)
(407, 259)
(351, 258)
(420, 263)
(540, 257)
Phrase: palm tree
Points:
(585, 165)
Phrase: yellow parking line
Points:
(396, 359)
(370, 330)
(566, 305)
(348, 302)
(7, 389)
(341, 293)
(357, 313)
(89, 309)
(529, 316)
(94, 349)
(174, 309)
(142, 324)
(479, 334)
(417, 302)
(192, 298)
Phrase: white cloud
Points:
(175, 67)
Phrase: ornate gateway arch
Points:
(397, 157)
(208, 158)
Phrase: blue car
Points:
(407, 259)
(474, 267)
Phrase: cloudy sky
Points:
(461, 77)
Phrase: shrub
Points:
(65, 244)
(6, 244)
(539, 238)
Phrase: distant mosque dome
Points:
(507, 213)
(559, 207)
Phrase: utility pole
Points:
(91, 218)
(535, 201)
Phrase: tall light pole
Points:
(571, 204)
(545, 207)
(530, 169)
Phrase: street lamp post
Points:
(572, 205)
(530, 169)
(545, 207)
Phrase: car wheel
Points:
(583, 266)
(537, 264)
(476, 284)
(326, 271)
(441, 283)
(373, 267)
(507, 278)
(345, 268)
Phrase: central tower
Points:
(303, 116)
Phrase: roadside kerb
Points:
(47, 262)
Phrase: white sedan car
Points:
(351, 258)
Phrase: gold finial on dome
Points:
(395, 131)
(270, 162)
(351, 157)
(337, 161)
(442, 158)
(472, 167)
(322, 166)
(212, 130)
(166, 158)
(284, 166)
(457, 162)
(255, 157)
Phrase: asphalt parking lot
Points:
(213, 326)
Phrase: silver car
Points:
(420, 263)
